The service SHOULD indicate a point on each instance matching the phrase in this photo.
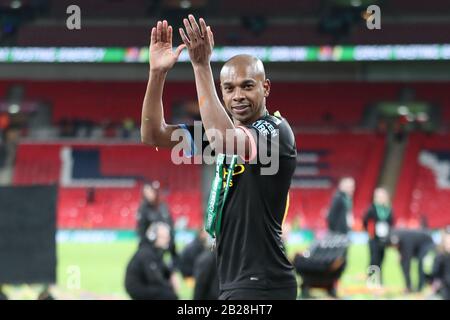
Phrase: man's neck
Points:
(253, 119)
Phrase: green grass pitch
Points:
(101, 268)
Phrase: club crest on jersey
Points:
(265, 128)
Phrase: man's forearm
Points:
(212, 111)
(152, 120)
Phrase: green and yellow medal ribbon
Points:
(213, 216)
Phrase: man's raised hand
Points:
(161, 55)
(199, 40)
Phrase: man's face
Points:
(348, 186)
(351, 188)
(150, 194)
(244, 91)
(381, 197)
(163, 238)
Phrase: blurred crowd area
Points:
(307, 22)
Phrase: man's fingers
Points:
(210, 36)
(169, 35)
(179, 49)
(184, 37)
(164, 31)
(158, 31)
(204, 29)
(189, 31)
(153, 36)
(195, 28)
(203, 26)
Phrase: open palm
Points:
(162, 56)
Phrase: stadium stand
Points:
(109, 173)
(275, 35)
(333, 103)
(321, 162)
(424, 184)
(309, 199)
(127, 23)
(339, 107)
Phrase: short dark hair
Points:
(154, 184)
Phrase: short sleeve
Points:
(197, 140)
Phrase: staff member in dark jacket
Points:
(191, 252)
(412, 244)
(206, 276)
(378, 222)
(441, 267)
(340, 217)
(147, 276)
(151, 210)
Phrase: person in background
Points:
(191, 252)
(152, 209)
(206, 275)
(340, 217)
(441, 267)
(147, 276)
(377, 222)
(412, 244)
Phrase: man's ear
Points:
(266, 88)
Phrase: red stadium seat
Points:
(112, 207)
(311, 204)
(418, 194)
